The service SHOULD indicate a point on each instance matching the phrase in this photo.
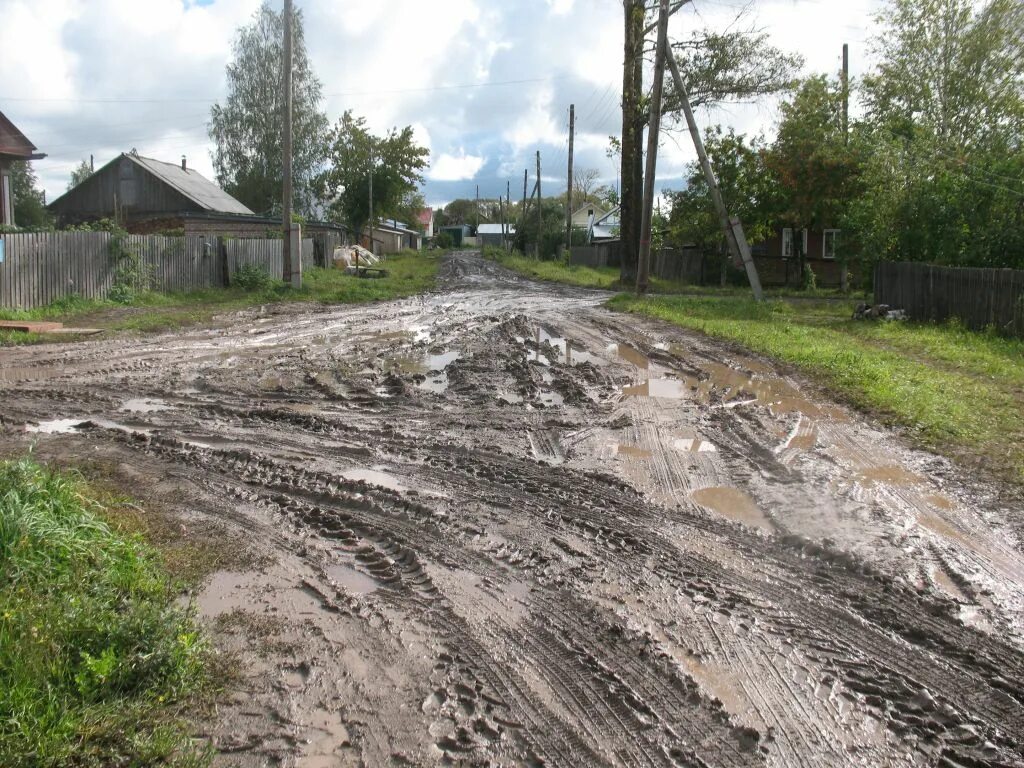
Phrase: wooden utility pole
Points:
(568, 189)
(478, 211)
(508, 207)
(731, 227)
(501, 209)
(522, 213)
(644, 261)
(287, 144)
(540, 197)
(846, 93)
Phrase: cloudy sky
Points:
(485, 83)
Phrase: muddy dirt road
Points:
(499, 525)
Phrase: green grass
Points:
(607, 278)
(97, 662)
(957, 392)
(408, 273)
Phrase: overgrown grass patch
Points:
(956, 392)
(97, 661)
(408, 273)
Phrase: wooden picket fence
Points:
(979, 298)
(40, 268)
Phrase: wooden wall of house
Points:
(136, 191)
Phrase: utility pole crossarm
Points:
(731, 228)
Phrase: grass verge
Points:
(956, 392)
(98, 664)
(408, 273)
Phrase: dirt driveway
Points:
(499, 525)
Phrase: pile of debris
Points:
(878, 312)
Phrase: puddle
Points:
(145, 405)
(56, 427)
(667, 388)
(550, 398)
(566, 350)
(633, 452)
(71, 426)
(939, 501)
(351, 580)
(374, 477)
(420, 333)
(631, 355)
(435, 382)
(510, 397)
(733, 504)
(888, 475)
(441, 361)
(694, 445)
(326, 738)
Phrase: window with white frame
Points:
(828, 243)
(804, 248)
(787, 243)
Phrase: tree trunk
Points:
(632, 134)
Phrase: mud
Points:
(498, 525)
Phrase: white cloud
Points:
(100, 76)
(460, 167)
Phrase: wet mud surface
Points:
(498, 525)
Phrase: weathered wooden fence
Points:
(40, 268)
(266, 254)
(980, 298)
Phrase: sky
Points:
(484, 83)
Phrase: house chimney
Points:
(184, 165)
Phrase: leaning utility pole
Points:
(508, 207)
(643, 266)
(540, 197)
(731, 227)
(501, 210)
(522, 212)
(478, 210)
(568, 192)
(289, 271)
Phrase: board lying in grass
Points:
(97, 661)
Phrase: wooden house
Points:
(14, 147)
(134, 190)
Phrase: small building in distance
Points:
(426, 222)
(490, 234)
(390, 236)
(460, 234)
(586, 214)
(14, 147)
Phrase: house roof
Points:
(192, 185)
(395, 226)
(426, 216)
(494, 229)
(14, 142)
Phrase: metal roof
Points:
(192, 185)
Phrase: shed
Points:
(490, 234)
(459, 233)
(132, 189)
(14, 147)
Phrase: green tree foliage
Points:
(944, 173)
(29, 209)
(80, 174)
(398, 164)
(551, 230)
(815, 170)
(246, 129)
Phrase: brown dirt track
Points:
(499, 525)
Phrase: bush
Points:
(808, 281)
(250, 277)
(443, 240)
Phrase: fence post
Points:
(222, 257)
